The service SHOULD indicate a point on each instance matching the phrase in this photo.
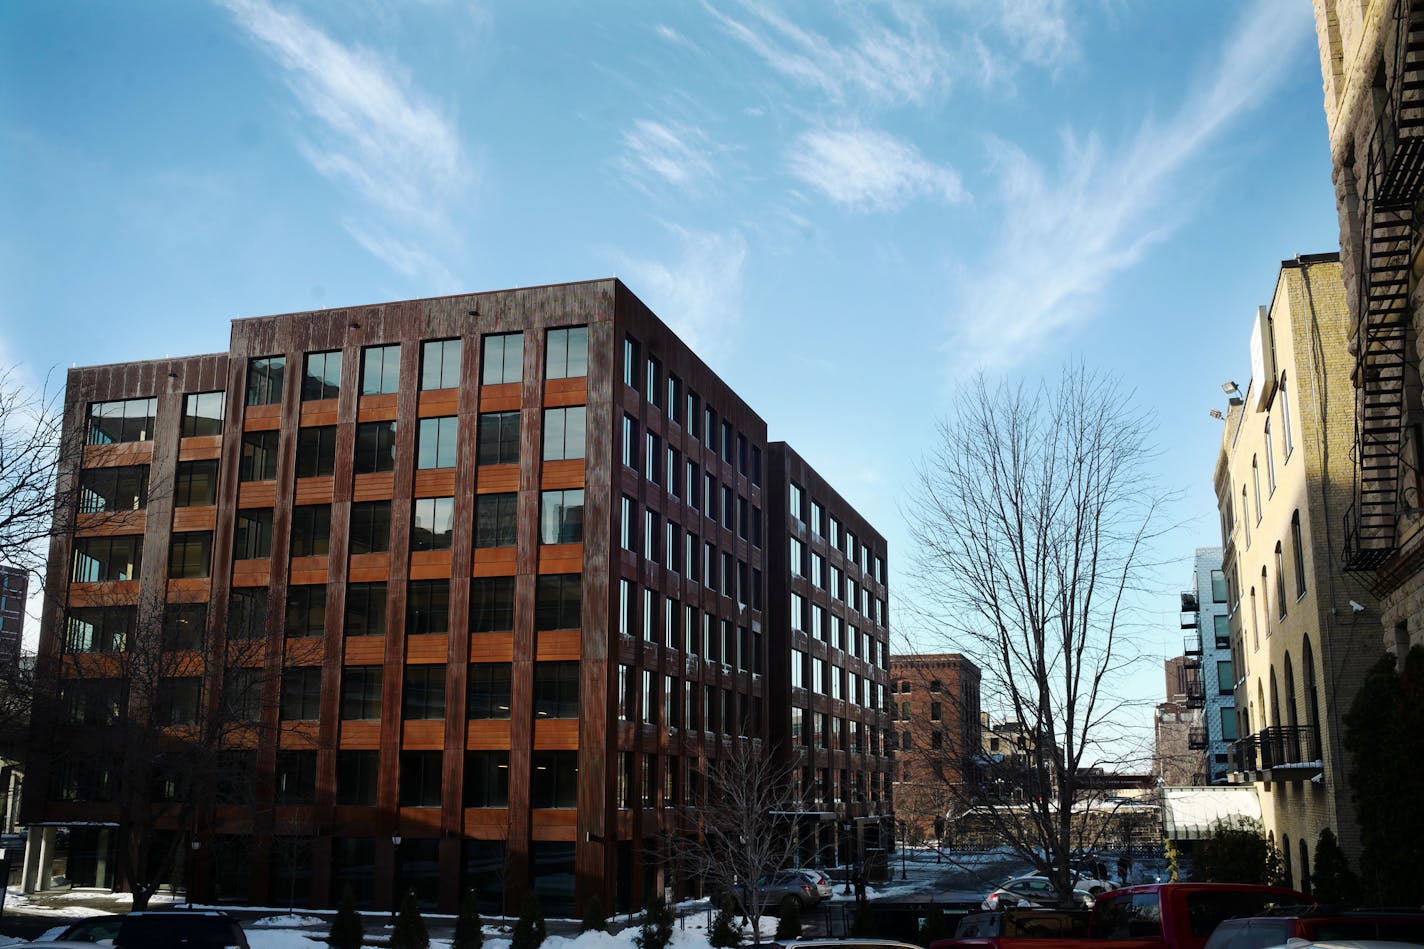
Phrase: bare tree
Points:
(31, 421)
(1031, 519)
(745, 829)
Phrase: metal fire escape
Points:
(1394, 182)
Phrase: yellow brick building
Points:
(1302, 629)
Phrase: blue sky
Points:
(845, 207)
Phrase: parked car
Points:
(849, 942)
(91, 929)
(778, 891)
(1258, 932)
(180, 929)
(1033, 889)
(1030, 922)
(822, 882)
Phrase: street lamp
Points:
(395, 874)
(192, 868)
(904, 837)
(845, 847)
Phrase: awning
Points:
(1188, 813)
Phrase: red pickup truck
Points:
(1156, 916)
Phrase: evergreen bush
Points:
(409, 931)
(789, 925)
(529, 929)
(725, 933)
(469, 928)
(595, 918)
(658, 920)
(346, 930)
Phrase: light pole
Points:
(395, 874)
(904, 836)
(845, 847)
(192, 869)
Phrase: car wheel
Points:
(790, 903)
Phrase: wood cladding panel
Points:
(124, 453)
(434, 483)
(553, 824)
(557, 644)
(566, 391)
(314, 490)
(200, 448)
(308, 651)
(487, 823)
(368, 568)
(484, 734)
(377, 486)
(112, 593)
(189, 590)
(429, 564)
(377, 408)
(251, 573)
(495, 562)
(557, 734)
(435, 403)
(501, 398)
(427, 649)
(258, 419)
(423, 735)
(110, 522)
(307, 570)
(320, 412)
(561, 558)
(194, 518)
(361, 735)
(298, 736)
(364, 650)
(491, 647)
(562, 474)
(497, 479)
(420, 821)
(257, 494)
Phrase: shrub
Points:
(346, 930)
(469, 929)
(863, 926)
(658, 919)
(409, 931)
(1238, 851)
(529, 929)
(725, 933)
(789, 925)
(595, 919)
(1331, 878)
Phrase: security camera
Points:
(1356, 607)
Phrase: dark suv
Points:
(180, 929)
(1258, 932)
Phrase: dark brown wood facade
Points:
(607, 842)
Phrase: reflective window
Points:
(316, 451)
(566, 353)
(107, 490)
(125, 420)
(432, 524)
(264, 380)
(503, 359)
(495, 524)
(321, 376)
(561, 517)
(564, 433)
(380, 369)
(498, 438)
(203, 413)
(489, 690)
(440, 364)
(375, 447)
(195, 483)
(436, 442)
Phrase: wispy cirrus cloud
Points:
(698, 294)
(870, 170)
(671, 153)
(367, 128)
(1066, 233)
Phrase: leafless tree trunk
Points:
(1032, 517)
(31, 421)
(745, 829)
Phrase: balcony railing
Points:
(1197, 737)
(1282, 752)
(1192, 644)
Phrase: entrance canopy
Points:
(1188, 813)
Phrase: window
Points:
(264, 380)
(380, 370)
(491, 604)
(427, 608)
(835, 535)
(564, 433)
(1298, 555)
(652, 455)
(1222, 631)
(316, 451)
(366, 609)
(1225, 677)
(361, 693)
(1228, 724)
(798, 557)
(626, 606)
(301, 693)
(630, 362)
(694, 413)
(728, 441)
(375, 447)
(486, 779)
(1218, 587)
(311, 530)
(252, 537)
(99, 629)
(178, 700)
(498, 438)
(488, 690)
(440, 364)
(191, 555)
(503, 359)
(423, 695)
(556, 690)
(432, 523)
(495, 524)
(195, 483)
(1270, 461)
(306, 612)
(674, 398)
(259, 456)
(936, 712)
(627, 524)
(709, 427)
(436, 442)
(108, 490)
(555, 779)
(650, 534)
(818, 518)
(247, 614)
(1256, 484)
(357, 777)
(561, 517)
(203, 413)
(420, 778)
(558, 601)
(653, 390)
(566, 353)
(321, 376)
(1245, 521)
(818, 571)
(370, 531)
(185, 626)
(1280, 581)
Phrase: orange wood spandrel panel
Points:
(420, 819)
(491, 647)
(557, 644)
(429, 564)
(495, 562)
(566, 391)
(299, 736)
(561, 558)
(500, 398)
(487, 823)
(364, 650)
(307, 651)
(562, 474)
(558, 734)
(114, 522)
(113, 593)
(368, 568)
(192, 590)
(363, 735)
(434, 483)
(124, 453)
(438, 402)
(497, 479)
(200, 448)
(257, 494)
(423, 735)
(553, 824)
(487, 734)
(377, 486)
(377, 408)
(251, 573)
(306, 570)
(262, 418)
(319, 412)
(427, 649)
(313, 490)
(194, 518)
